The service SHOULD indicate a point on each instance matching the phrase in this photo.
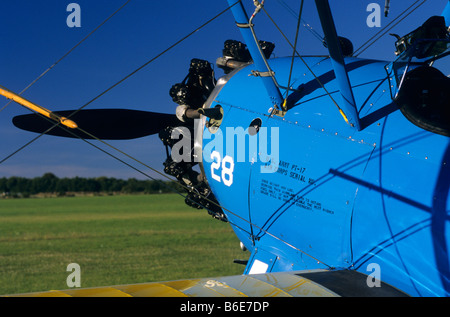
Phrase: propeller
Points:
(106, 124)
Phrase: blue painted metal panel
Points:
(446, 14)
(236, 209)
(401, 213)
(351, 194)
(303, 198)
(311, 112)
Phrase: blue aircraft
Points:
(330, 169)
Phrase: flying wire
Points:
(305, 24)
(303, 60)
(115, 85)
(121, 81)
(187, 188)
(107, 90)
(383, 31)
(153, 59)
(174, 189)
(140, 162)
(68, 52)
(294, 48)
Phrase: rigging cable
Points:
(261, 229)
(304, 62)
(259, 6)
(295, 49)
(153, 59)
(68, 52)
(107, 90)
(115, 85)
(355, 54)
(305, 24)
(120, 81)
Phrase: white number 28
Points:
(227, 165)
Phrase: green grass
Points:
(114, 239)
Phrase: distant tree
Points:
(132, 186)
(49, 183)
(3, 185)
(62, 186)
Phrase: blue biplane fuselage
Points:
(323, 195)
(347, 170)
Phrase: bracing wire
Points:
(302, 59)
(122, 80)
(305, 24)
(140, 162)
(107, 90)
(387, 28)
(115, 85)
(68, 52)
(261, 229)
(294, 48)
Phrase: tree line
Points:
(49, 183)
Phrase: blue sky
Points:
(34, 35)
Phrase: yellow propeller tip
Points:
(69, 123)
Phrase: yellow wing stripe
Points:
(283, 284)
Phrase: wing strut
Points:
(349, 111)
(262, 68)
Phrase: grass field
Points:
(114, 239)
